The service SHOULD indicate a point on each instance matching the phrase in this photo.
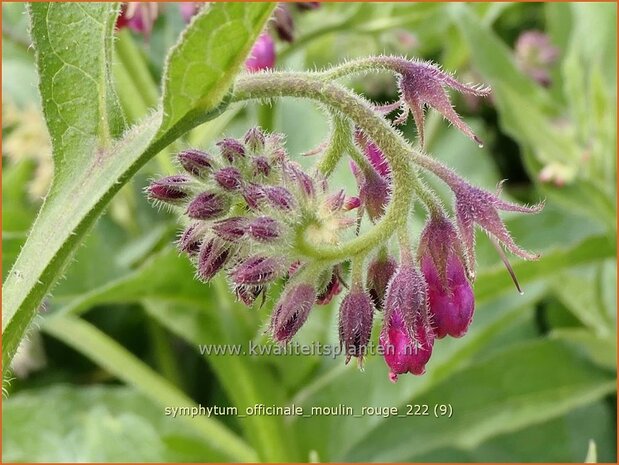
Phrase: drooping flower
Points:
(355, 323)
(407, 338)
(450, 294)
(262, 55)
(424, 84)
(284, 24)
(535, 55)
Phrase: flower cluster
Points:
(243, 208)
(256, 215)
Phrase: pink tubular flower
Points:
(407, 338)
(450, 294)
(262, 55)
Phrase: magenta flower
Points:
(262, 55)
(403, 353)
(407, 338)
(450, 294)
(171, 189)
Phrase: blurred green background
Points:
(533, 380)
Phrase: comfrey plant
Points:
(252, 213)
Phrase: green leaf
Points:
(73, 55)
(523, 385)
(107, 353)
(200, 70)
(601, 349)
(560, 440)
(496, 281)
(194, 312)
(94, 424)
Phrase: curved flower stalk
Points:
(253, 213)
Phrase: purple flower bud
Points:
(214, 254)
(257, 270)
(407, 336)
(262, 55)
(254, 140)
(332, 288)
(264, 229)
(231, 229)
(196, 162)
(260, 166)
(351, 203)
(373, 154)
(231, 149)
(229, 178)
(190, 240)
(305, 182)
(208, 206)
(171, 189)
(279, 197)
(355, 326)
(423, 83)
(292, 310)
(253, 195)
(374, 193)
(284, 24)
(380, 272)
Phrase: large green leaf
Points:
(115, 359)
(200, 316)
(72, 41)
(524, 385)
(95, 424)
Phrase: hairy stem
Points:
(395, 148)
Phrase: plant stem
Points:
(389, 141)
